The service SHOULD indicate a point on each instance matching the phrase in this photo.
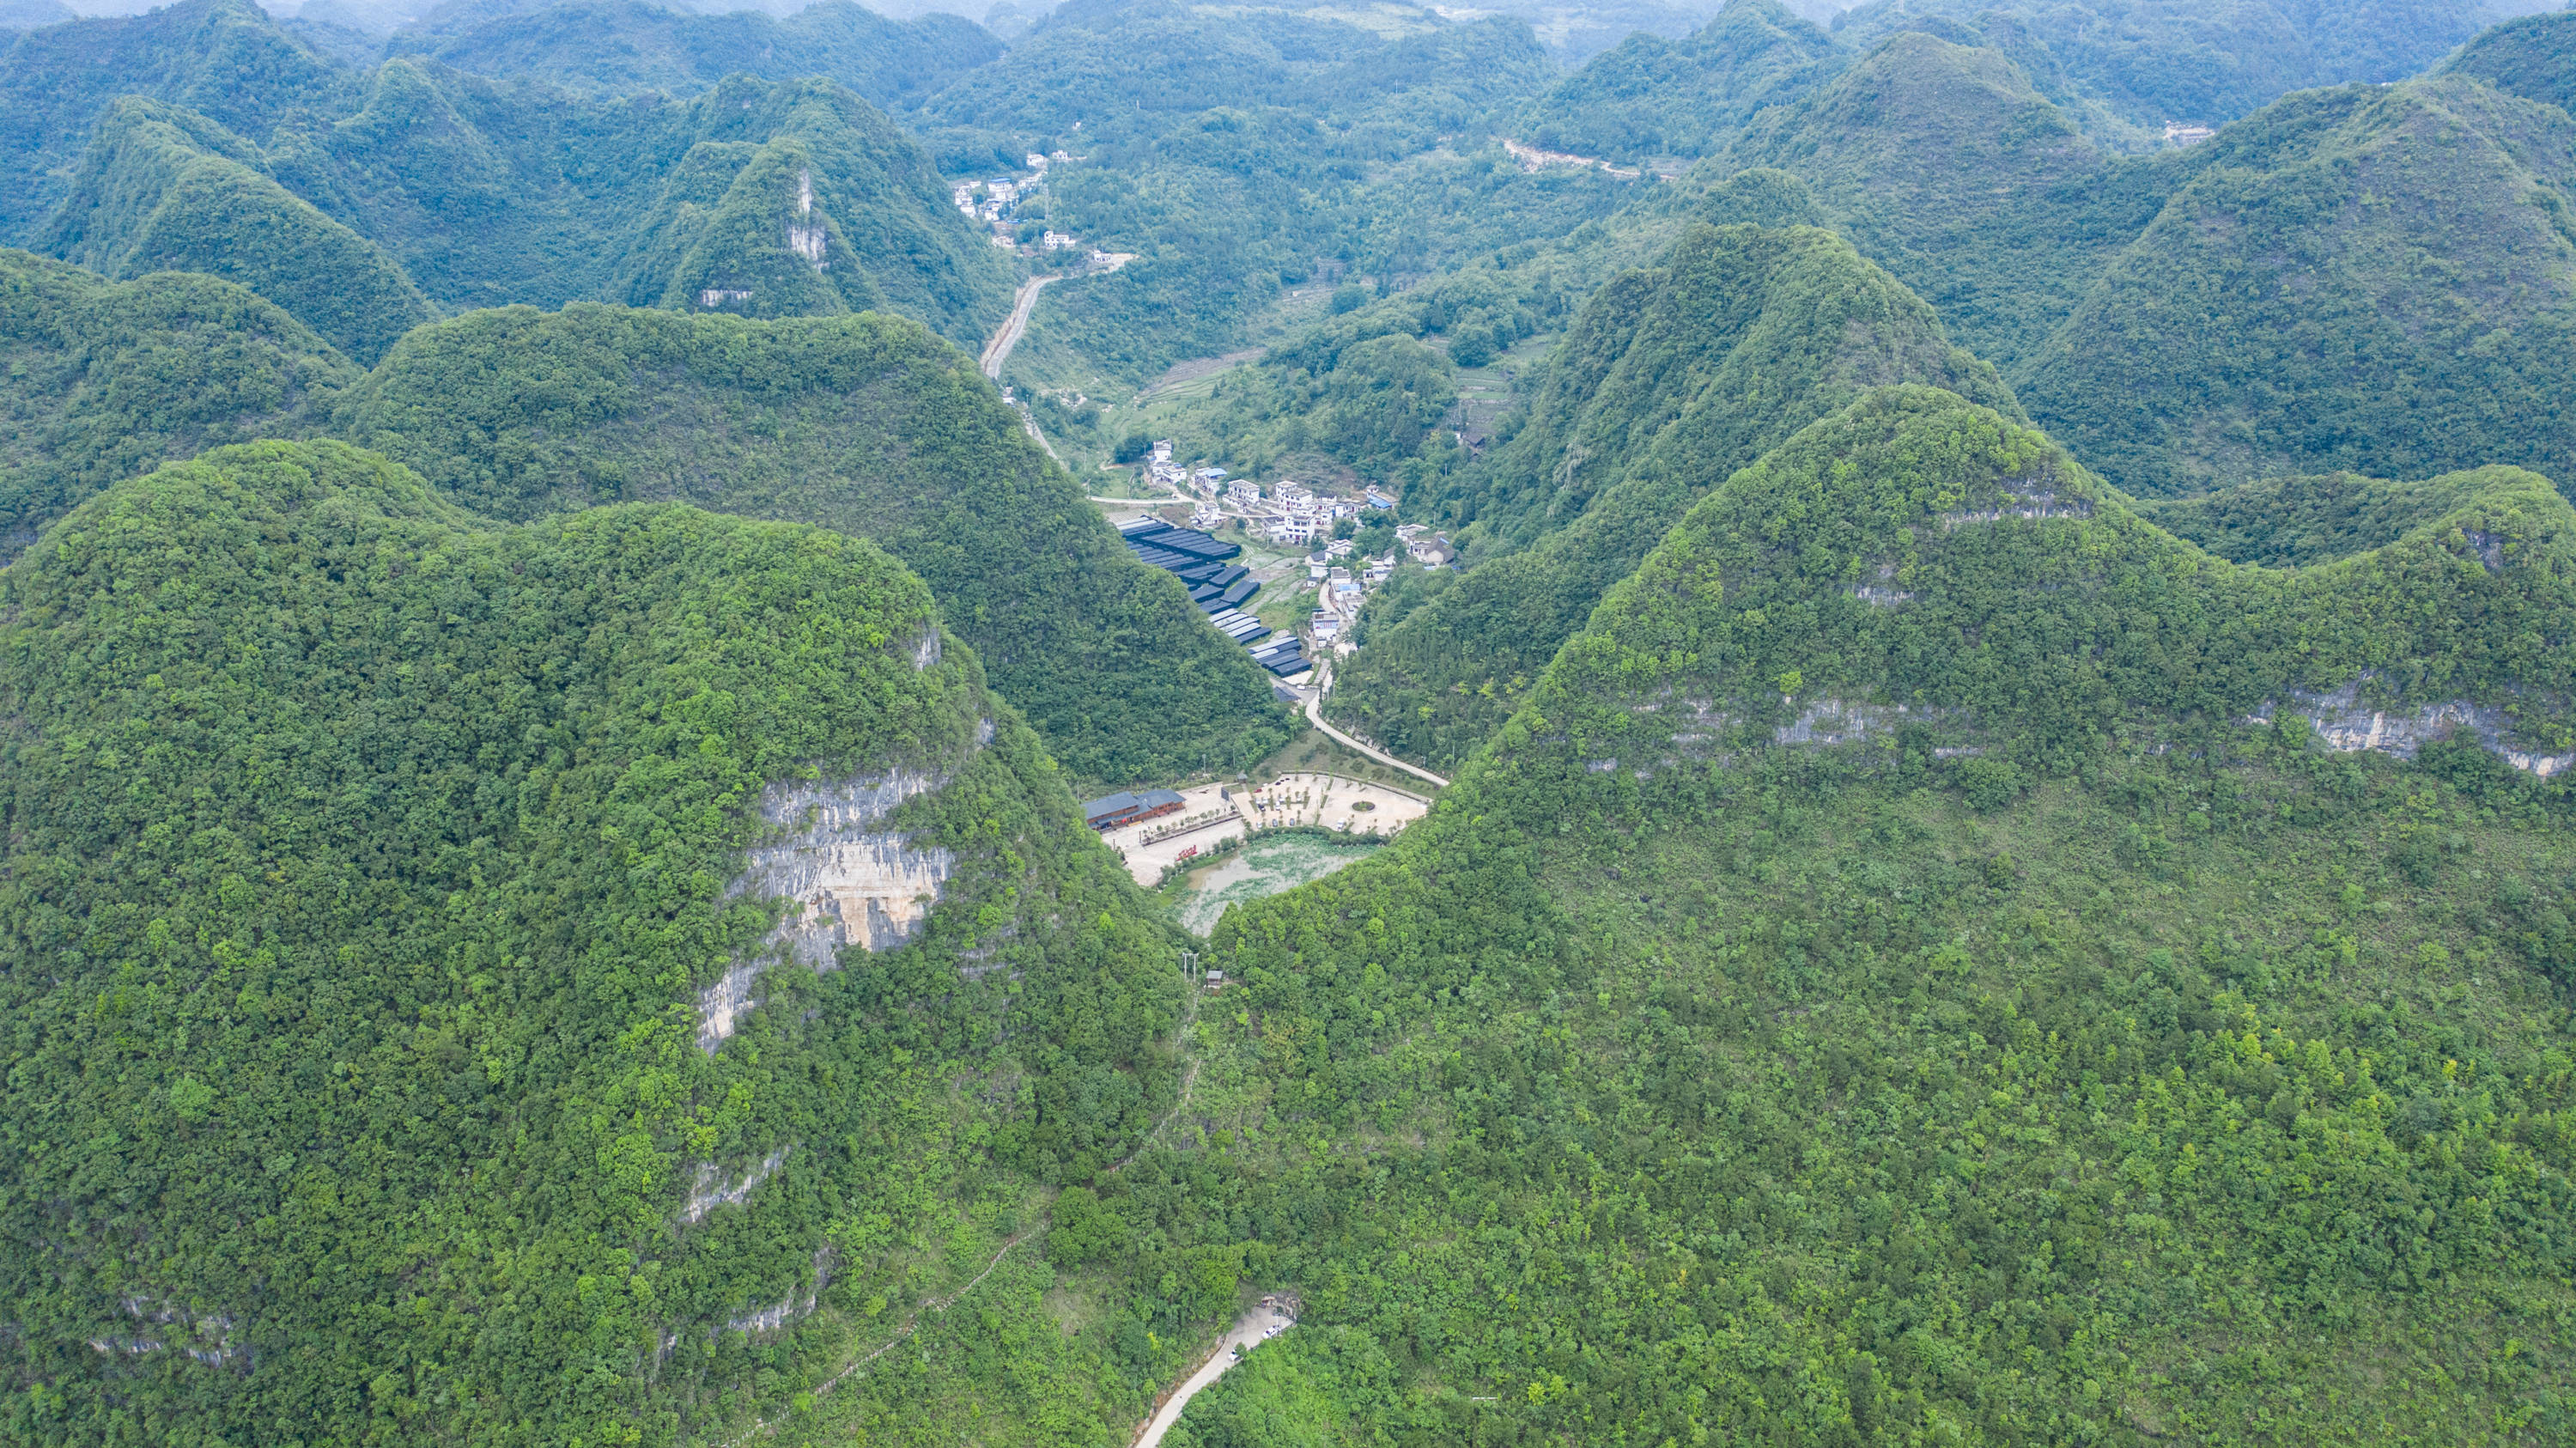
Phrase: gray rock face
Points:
(2347, 724)
(711, 1192)
(2038, 502)
(1882, 594)
(850, 881)
(1837, 721)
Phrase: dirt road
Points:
(1259, 1323)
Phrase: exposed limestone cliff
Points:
(849, 881)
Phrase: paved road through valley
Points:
(998, 351)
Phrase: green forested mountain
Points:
(104, 380)
(624, 47)
(1944, 166)
(2272, 320)
(165, 189)
(2144, 63)
(1916, 971)
(223, 59)
(2238, 309)
(1672, 379)
(2295, 522)
(2011, 710)
(491, 192)
(384, 852)
(479, 192)
(1655, 97)
(2121, 72)
(868, 425)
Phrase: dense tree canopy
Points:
(865, 424)
(2061, 1058)
(108, 379)
(383, 851)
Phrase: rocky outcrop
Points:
(1827, 722)
(204, 1337)
(2347, 723)
(848, 880)
(1880, 594)
(805, 235)
(2040, 503)
(712, 1191)
(778, 1315)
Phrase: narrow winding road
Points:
(1315, 716)
(1261, 1322)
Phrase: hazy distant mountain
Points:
(623, 47)
(2196, 62)
(1655, 97)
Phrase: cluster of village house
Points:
(996, 203)
(1293, 514)
(1290, 513)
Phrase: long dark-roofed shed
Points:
(1111, 811)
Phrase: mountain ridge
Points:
(1916, 1003)
(1669, 380)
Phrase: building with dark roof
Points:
(1110, 811)
(1124, 808)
